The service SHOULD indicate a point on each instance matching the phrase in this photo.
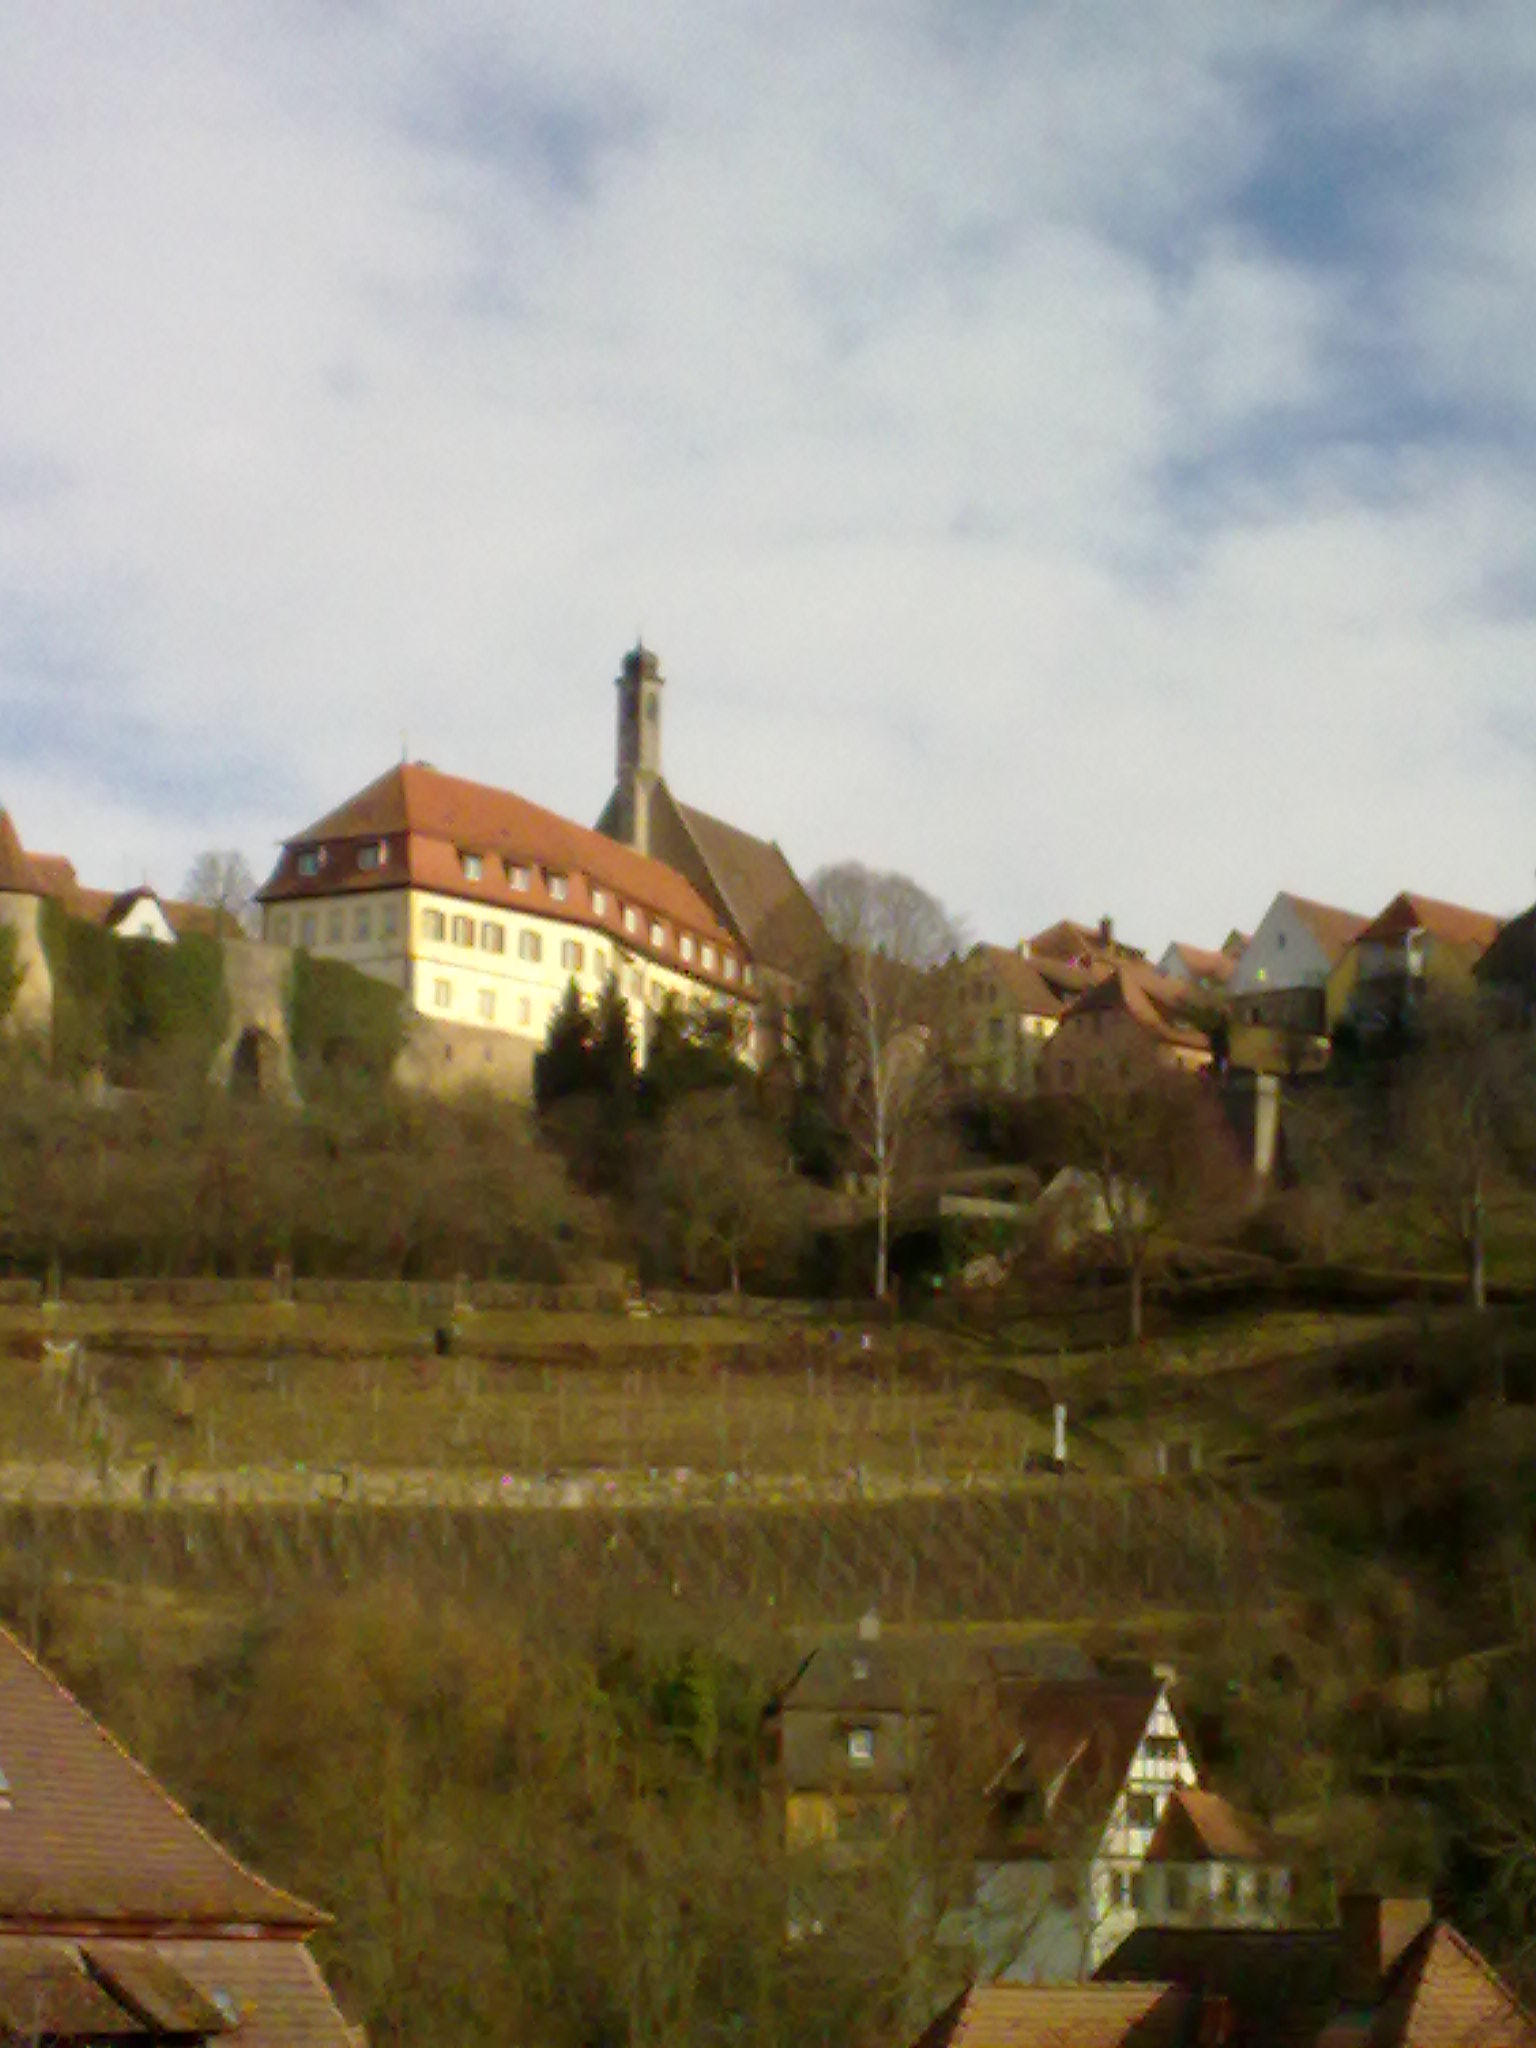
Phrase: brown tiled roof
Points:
(1442, 1994)
(88, 1838)
(1064, 2016)
(1202, 1827)
(56, 877)
(274, 1989)
(767, 901)
(1077, 1739)
(1334, 930)
(1032, 995)
(1204, 964)
(429, 819)
(1472, 931)
(1157, 1002)
(1069, 940)
(18, 874)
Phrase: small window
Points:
(488, 1005)
(730, 966)
(599, 962)
(518, 878)
(1232, 1888)
(599, 902)
(658, 933)
(685, 946)
(860, 1667)
(335, 927)
(389, 922)
(474, 867)
(1262, 1888)
(493, 937)
(1119, 1888)
(1163, 1748)
(362, 924)
(282, 925)
(524, 1010)
(631, 918)
(572, 956)
(1141, 1810)
(861, 1745)
(530, 946)
(746, 974)
(1141, 1891)
(463, 931)
(309, 928)
(1176, 1891)
(709, 960)
(433, 925)
(442, 994)
(372, 855)
(559, 887)
(309, 863)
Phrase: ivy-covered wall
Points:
(127, 1006)
(344, 1027)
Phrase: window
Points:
(282, 925)
(860, 1667)
(1141, 1891)
(362, 924)
(631, 918)
(309, 928)
(530, 946)
(1279, 942)
(373, 855)
(730, 966)
(599, 902)
(463, 931)
(442, 994)
(1176, 1891)
(709, 960)
(1261, 1888)
(1232, 1889)
(1163, 1748)
(572, 956)
(309, 863)
(1119, 1888)
(599, 962)
(685, 946)
(389, 921)
(524, 1010)
(433, 925)
(335, 927)
(559, 887)
(474, 866)
(517, 878)
(488, 1004)
(861, 1745)
(658, 933)
(1141, 1810)
(746, 974)
(493, 937)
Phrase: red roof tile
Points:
(1201, 1827)
(1443, 1994)
(18, 875)
(1022, 978)
(87, 1836)
(1064, 2015)
(1471, 930)
(1334, 930)
(1157, 1002)
(1205, 964)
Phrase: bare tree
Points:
(1161, 1159)
(893, 937)
(725, 1184)
(222, 882)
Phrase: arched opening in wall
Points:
(255, 1068)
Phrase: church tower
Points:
(639, 764)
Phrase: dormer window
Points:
(631, 918)
(559, 887)
(709, 960)
(474, 867)
(374, 854)
(599, 902)
(861, 1745)
(309, 862)
(730, 967)
(658, 933)
(518, 878)
(685, 946)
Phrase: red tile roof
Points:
(1204, 964)
(1069, 940)
(1063, 2015)
(1472, 931)
(1023, 979)
(1157, 1002)
(1334, 930)
(429, 820)
(1077, 1740)
(88, 1838)
(273, 1988)
(1443, 1994)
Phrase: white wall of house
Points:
(1283, 953)
(144, 919)
(462, 962)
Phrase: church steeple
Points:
(639, 764)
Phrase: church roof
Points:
(766, 899)
(87, 1836)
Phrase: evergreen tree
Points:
(566, 1065)
(689, 1051)
(613, 1047)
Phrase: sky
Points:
(1080, 455)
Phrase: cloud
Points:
(1079, 455)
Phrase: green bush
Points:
(344, 1026)
(131, 1007)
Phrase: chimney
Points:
(1106, 931)
(1373, 1933)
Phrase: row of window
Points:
(1136, 1888)
(486, 1003)
(439, 928)
(306, 929)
